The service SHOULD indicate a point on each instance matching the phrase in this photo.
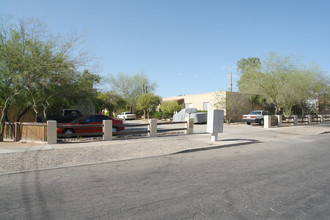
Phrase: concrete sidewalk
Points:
(37, 156)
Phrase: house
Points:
(234, 104)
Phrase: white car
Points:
(199, 117)
(256, 116)
(126, 116)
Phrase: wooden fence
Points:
(25, 131)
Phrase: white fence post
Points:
(152, 127)
(51, 132)
(189, 126)
(107, 130)
(267, 121)
(279, 120)
(321, 118)
(295, 119)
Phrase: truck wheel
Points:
(248, 123)
(261, 122)
(68, 131)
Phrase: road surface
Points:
(285, 179)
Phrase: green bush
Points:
(158, 115)
(168, 108)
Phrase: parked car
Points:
(199, 117)
(67, 115)
(126, 115)
(90, 120)
(256, 116)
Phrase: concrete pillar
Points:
(189, 126)
(107, 130)
(152, 127)
(51, 132)
(310, 119)
(267, 121)
(215, 120)
(321, 118)
(295, 119)
(279, 120)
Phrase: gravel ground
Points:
(37, 156)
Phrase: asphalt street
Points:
(284, 179)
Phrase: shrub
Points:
(168, 108)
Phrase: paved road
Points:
(286, 179)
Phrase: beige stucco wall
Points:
(198, 100)
(219, 100)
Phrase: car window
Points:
(77, 119)
(75, 113)
(100, 118)
(89, 119)
(191, 110)
(255, 113)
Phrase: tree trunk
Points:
(44, 113)
(18, 119)
(2, 119)
(302, 108)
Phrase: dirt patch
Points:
(20, 144)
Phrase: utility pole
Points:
(231, 82)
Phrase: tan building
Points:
(234, 104)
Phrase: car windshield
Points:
(255, 113)
(77, 119)
(191, 110)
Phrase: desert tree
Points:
(148, 102)
(37, 69)
(281, 80)
(130, 87)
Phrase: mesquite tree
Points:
(38, 70)
(281, 81)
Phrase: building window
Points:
(188, 105)
(206, 106)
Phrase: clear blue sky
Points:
(187, 46)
